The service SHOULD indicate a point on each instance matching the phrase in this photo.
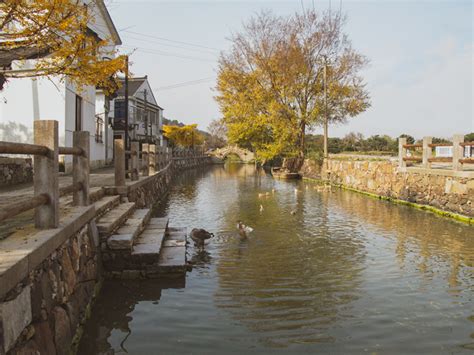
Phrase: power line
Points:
(174, 41)
(186, 83)
(168, 54)
(205, 51)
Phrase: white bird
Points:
(296, 190)
(243, 229)
(261, 195)
(261, 208)
(293, 212)
(273, 191)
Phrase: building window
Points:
(99, 128)
(78, 113)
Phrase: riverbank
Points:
(443, 192)
(49, 278)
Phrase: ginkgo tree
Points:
(271, 87)
(56, 34)
(183, 136)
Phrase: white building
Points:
(145, 116)
(75, 109)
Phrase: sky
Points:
(420, 75)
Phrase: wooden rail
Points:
(16, 208)
(458, 159)
(70, 151)
(46, 166)
(23, 148)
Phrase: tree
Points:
(270, 84)
(469, 137)
(218, 134)
(185, 136)
(410, 139)
(56, 35)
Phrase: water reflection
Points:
(344, 274)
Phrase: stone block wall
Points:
(15, 171)
(443, 189)
(149, 191)
(43, 312)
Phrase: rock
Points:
(62, 331)
(15, 315)
(44, 338)
(68, 275)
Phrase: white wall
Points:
(16, 102)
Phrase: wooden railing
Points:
(147, 161)
(46, 194)
(426, 158)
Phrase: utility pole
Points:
(326, 118)
(146, 115)
(126, 111)
(126, 104)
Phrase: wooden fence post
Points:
(151, 159)
(119, 162)
(145, 159)
(134, 149)
(46, 169)
(427, 152)
(81, 168)
(458, 151)
(402, 152)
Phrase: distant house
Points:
(447, 152)
(145, 116)
(76, 109)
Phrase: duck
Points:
(244, 230)
(199, 236)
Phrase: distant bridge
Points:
(245, 155)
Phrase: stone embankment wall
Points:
(48, 279)
(54, 280)
(148, 191)
(443, 189)
(15, 171)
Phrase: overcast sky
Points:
(421, 52)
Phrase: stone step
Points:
(173, 254)
(147, 247)
(114, 218)
(96, 193)
(106, 203)
(124, 237)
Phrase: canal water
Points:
(343, 273)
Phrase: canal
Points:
(323, 272)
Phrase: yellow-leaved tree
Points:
(56, 34)
(183, 136)
(271, 82)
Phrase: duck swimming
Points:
(199, 236)
(244, 230)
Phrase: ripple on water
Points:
(344, 274)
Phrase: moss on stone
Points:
(437, 211)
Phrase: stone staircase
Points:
(135, 245)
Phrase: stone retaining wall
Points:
(443, 189)
(41, 313)
(15, 171)
(149, 191)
